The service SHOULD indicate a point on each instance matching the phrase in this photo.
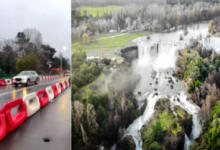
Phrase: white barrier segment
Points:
(32, 103)
(50, 93)
(58, 88)
(64, 85)
(8, 81)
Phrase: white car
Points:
(25, 78)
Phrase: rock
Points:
(178, 99)
(156, 82)
(139, 93)
(155, 89)
(156, 94)
(174, 99)
(187, 119)
(150, 83)
(127, 143)
(176, 80)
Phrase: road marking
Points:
(30, 87)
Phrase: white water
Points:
(191, 109)
(212, 43)
(135, 127)
(162, 60)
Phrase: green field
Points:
(110, 43)
(93, 10)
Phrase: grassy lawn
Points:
(93, 10)
(110, 43)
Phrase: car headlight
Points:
(24, 80)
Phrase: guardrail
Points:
(39, 99)
(4, 82)
(9, 76)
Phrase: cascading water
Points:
(212, 43)
(160, 58)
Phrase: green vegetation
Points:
(29, 62)
(154, 146)
(82, 72)
(163, 126)
(212, 136)
(109, 43)
(98, 11)
(157, 131)
(188, 51)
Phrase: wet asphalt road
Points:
(52, 121)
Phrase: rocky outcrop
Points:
(186, 119)
(173, 135)
(127, 143)
(78, 110)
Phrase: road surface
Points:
(52, 122)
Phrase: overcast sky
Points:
(51, 17)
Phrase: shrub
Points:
(157, 131)
(197, 83)
(154, 146)
(188, 51)
(174, 124)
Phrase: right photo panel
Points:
(145, 74)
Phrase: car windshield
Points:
(24, 73)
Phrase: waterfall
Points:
(161, 56)
(212, 43)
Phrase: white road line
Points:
(29, 87)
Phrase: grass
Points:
(110, 43)
(100, 77)
(93, 10)
(191, 54)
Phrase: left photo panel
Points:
(35, 59)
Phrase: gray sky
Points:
(51, 17)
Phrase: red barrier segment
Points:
(16, 120)
(43, 97)
(3, 82)
(61, 86)
(66, 84)
(3, 127)
(55, 90)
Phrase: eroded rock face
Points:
(186, 119)
(78, 111)
(127, 143)
(91, 119)
(172, 141)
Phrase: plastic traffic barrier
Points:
(32, 103)
(3, 82)
(64, 85)
(3, 127)
(55, 90)
(61, 86)
(58, 88)
(43, 97)
(50, 93)
(16, 120)
(8, 81)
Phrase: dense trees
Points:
(28, 43)
(151, 16)
(29, 62)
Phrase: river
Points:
(155, 67)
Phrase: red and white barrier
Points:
(58, 88)
(28, 106)
(55, 90)
(43, 97)
(32, 103)
(50, 93)
(16, 120)
(4, 82)
(3, 127)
